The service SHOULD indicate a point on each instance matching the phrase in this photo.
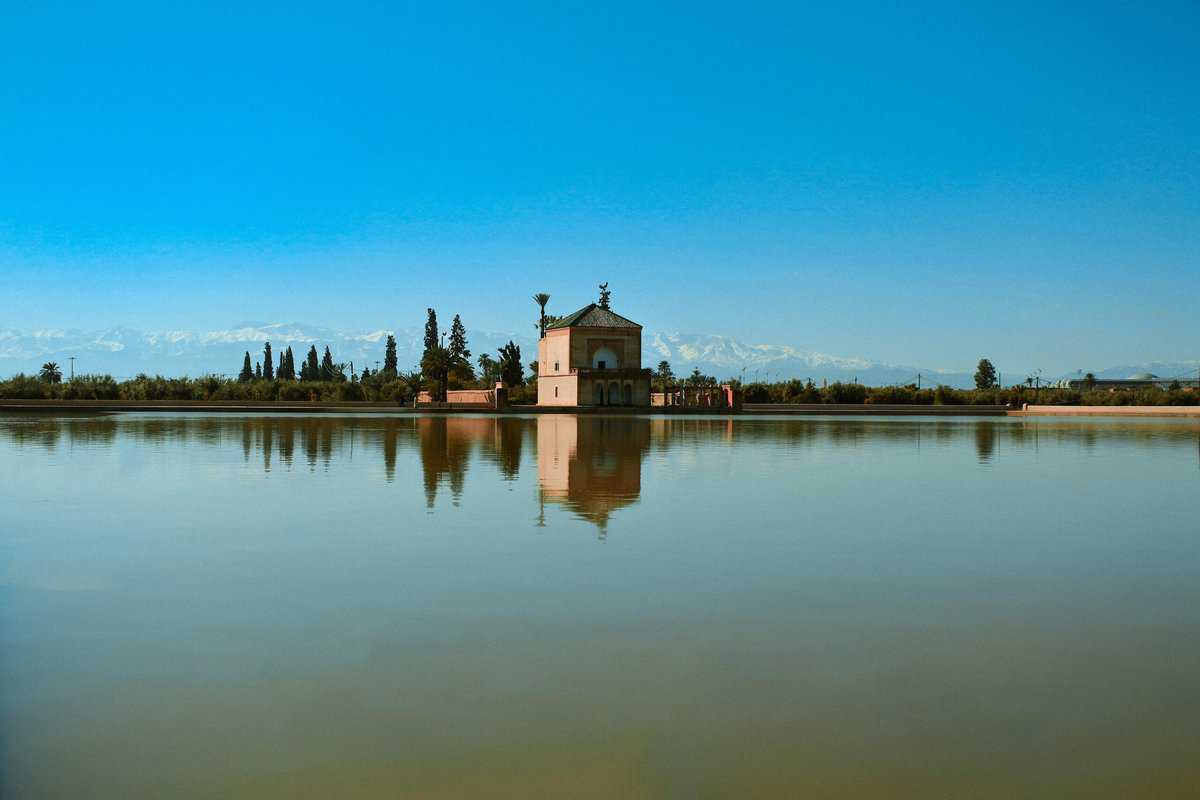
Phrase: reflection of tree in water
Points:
(447, 443)
(510, 443)
(588, 464)
(985, 441)
(592, 465)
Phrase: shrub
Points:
(27, 387)
(850, 393)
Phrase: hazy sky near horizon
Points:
(913, 183)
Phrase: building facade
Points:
(592, 358)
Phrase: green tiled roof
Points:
(593, 316)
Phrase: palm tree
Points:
(541, 298)
(51, 373)
(412, 382)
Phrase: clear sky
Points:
(906, 182)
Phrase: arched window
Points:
(627, 395)
(605, 358)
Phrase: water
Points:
(223, 606)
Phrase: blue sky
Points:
(915, 183)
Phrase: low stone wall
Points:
(467, 398)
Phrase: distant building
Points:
(592, 358)
(1143, 380)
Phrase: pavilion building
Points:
(592, 358)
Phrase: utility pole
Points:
(72, 360)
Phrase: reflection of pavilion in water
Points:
(591, 465)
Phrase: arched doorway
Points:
(627, 395)
(598, 394)
(614, 394)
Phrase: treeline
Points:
(444, 365)
(208, 387)
(795, 391)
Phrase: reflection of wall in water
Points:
(591, 465)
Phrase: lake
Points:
(558, 606)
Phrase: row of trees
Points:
(311, 369)
(444, 365)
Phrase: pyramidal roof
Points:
(593, 316)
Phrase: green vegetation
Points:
(511, 370)
(985, 375)
(247, 373)
(390, 366)
(796, 391)
(541, 298)
(51, 373)
(664, 375)
(267, 372)
(442, 368)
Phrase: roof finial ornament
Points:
(604, 295)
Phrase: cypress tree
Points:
(431, 330)
(290, 364)
(460, 356)
(257, 371)
(247, 372)
(311, 371)
(280, 372)
(389, 358)
(458, 341)
(268, 369)
(327, 368)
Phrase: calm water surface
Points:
(270, 607)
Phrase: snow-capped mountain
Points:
(1161, 369)
(725, 357)
(124, 352)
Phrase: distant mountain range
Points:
(125, 352)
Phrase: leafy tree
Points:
(247, 373)
(985, 375)
(605, 294)
(1090, 381)
(366, 374)
(431, 331)
(51, 373)
(389, 358)
(541, 298)
(666, 377)
(511, 371)
(436, 365)
(268, 369)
